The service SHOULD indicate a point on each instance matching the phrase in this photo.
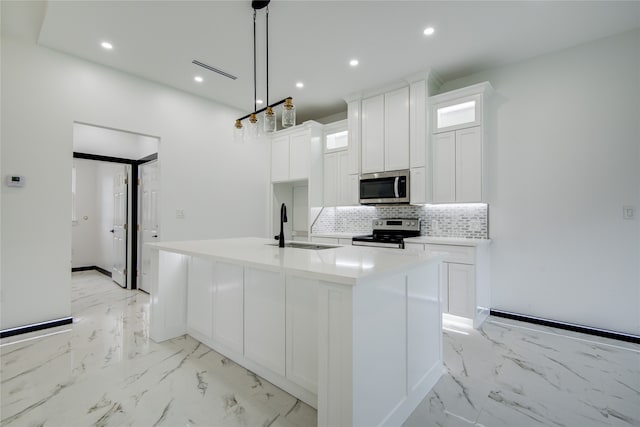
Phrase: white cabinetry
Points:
(340, 188)
(458, 154)
(331, 240)
(291, 152)
(264, 319)
(457, 166)
(385, 131)
(373, 134)
(353, 127)
(301, 339)
(396, 129)
(200, 296)
(464, 279)
(215, 302)
(228, 306)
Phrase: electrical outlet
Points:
(628, 212)
(180, 213)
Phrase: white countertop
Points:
(349, 265)
(457, 241)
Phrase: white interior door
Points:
(119, 270)
(149, 193)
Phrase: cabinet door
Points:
(228, 305)
(342, 175)
(353, 196)
(418, 186)
(280, 159)
(353, 125)
(330, 179)
(299, 155)
(264, 319)
(461, 290)
(200, 296)
(396, 129)
(372, 140)
(469, 165)
(444, 167)
(417, 124)
(302, 332)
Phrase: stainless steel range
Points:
(389, 233)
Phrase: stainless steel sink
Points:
(304, 245)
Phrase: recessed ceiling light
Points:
(428, 31)
(353, 62)
(259, 101)
(106, 45)
(198, 79)
(299, 85)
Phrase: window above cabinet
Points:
(458, 114)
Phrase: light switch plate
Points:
(628, 212)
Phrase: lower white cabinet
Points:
(215, 302)
(264, 316)
(228, 305)
(461, 289)
(302, 325)
(200, 296)
(331, 240)
(264, 319)
(464, 279)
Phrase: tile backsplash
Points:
(452, 220)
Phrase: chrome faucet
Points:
(283, 219)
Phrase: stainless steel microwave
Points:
(385, 188)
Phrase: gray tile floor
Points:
(105, 371)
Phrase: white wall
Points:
(112, 143)
(220, 185)
(565, 158)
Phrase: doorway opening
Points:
(107, 211)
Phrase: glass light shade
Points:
(252, 127)
(288, 114)
(269, 120)
(238, 132)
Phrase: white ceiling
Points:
(313, 41)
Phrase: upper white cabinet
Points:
(385, 131)
(396, 129)
(458, 153)
(417, 123)
(372, 142)
(340, 187)
(353, 127)
(291, 153)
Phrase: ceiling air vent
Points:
(214, 69)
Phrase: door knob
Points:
(112, 231)
(155, 235)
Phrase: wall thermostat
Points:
(15, 181)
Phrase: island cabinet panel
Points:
(264, 319)
(200, 296)
(302, 336)
(423, 312)
(228, 306)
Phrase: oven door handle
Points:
(395, 187)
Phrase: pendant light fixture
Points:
(269, 117)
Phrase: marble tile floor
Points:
(105, 371)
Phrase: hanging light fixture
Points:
(269, 118)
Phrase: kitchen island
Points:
(353, 331)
